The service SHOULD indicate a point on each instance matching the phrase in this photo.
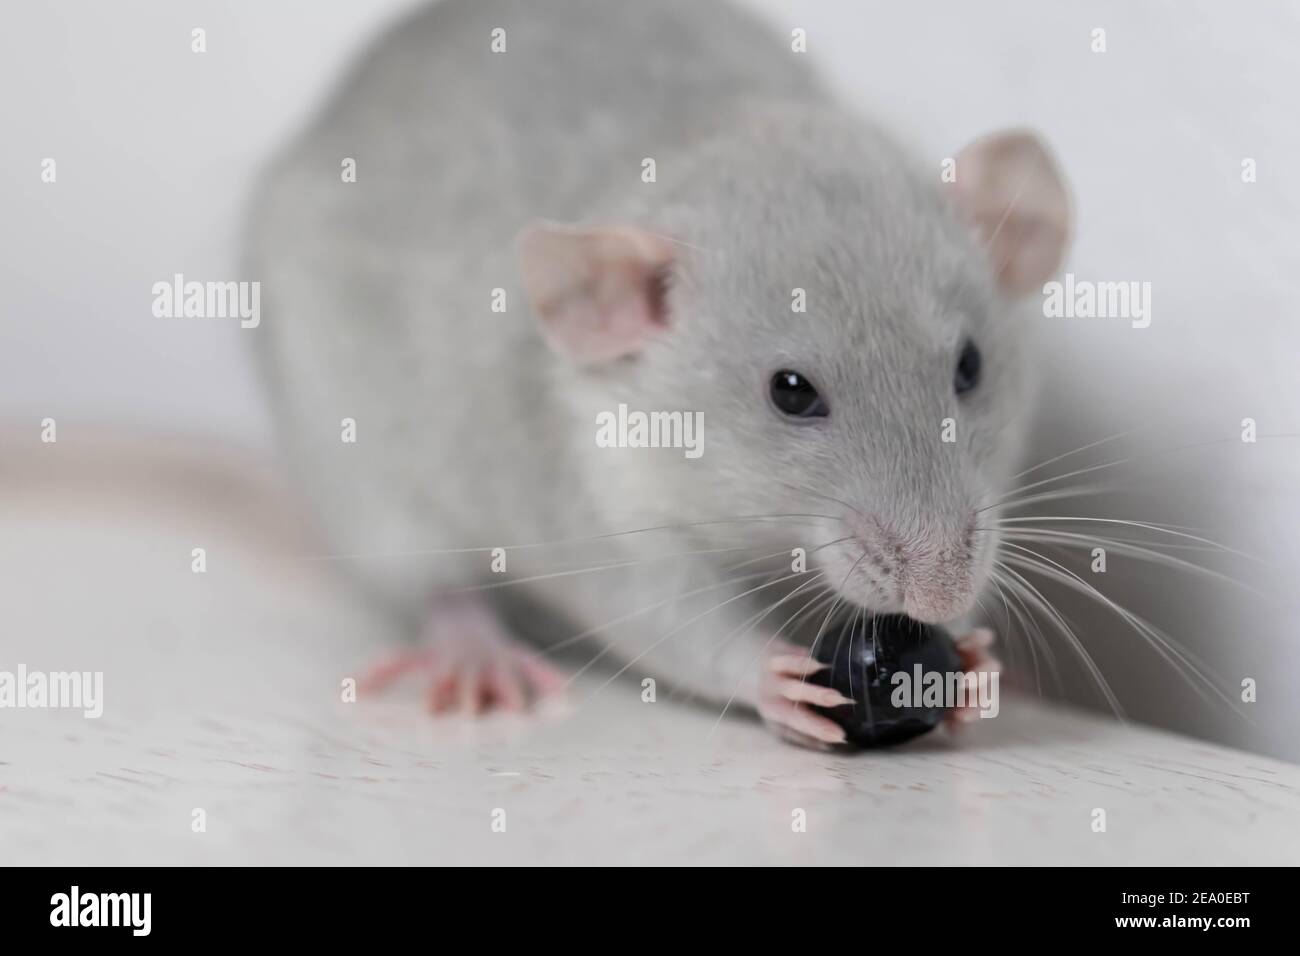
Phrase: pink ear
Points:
(598, 292)
(1009, 188)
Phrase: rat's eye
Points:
(968, 368)
(794, 395)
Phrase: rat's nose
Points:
(931, 569)
(937, 601)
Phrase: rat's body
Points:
(472, 433)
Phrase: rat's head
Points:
(847, 328)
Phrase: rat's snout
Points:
(929, 572)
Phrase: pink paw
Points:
(784, 697)
(973, 648)
(470, 664)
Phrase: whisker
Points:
(1034, 636)
(569, 641)
(1054, 495)
(818, 599)
(1007, 499)
(601, 567)
(553, 544)
(1147, 457)
(1144, 542)
(818, 494)
(757, 618)
(1148, 526)
(1093, 444)
(839, 597)
(1065, 539)
(1036, 597)
(820, 547)
(875, 649)
(858, 615)
(677, 630)
(1162, 643)
(839, 642)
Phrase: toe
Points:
(961, 716)
(470, 700)
(444, 691)
(800, 691)
(973, 649)
(384, 674)
(789, 716)
(795, 665)
(506, 687)
(978, 638)
(543, 679)
(445, 679)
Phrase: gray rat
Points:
(500, 153)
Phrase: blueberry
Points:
(863, 664)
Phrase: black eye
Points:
(968, 369)
(794, 395)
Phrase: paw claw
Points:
(800, 691)
(796, 665)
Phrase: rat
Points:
(556, 210)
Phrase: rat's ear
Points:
(1009, 188)
(598, 292)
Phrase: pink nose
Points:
(932, 570)
(938, 599)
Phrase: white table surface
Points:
(222, 693)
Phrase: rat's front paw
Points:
(470, 663)
(974, 649)
(784, 696)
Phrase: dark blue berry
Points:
(863, 665)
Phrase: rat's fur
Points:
(471, 433)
